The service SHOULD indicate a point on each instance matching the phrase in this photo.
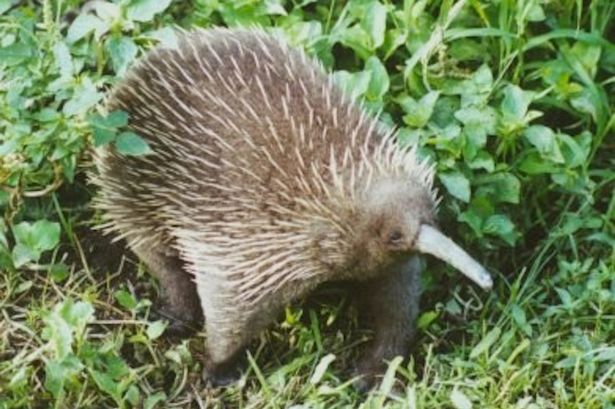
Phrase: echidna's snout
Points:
(431, 241)
(400, 215)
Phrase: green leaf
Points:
(59, 272)
(357, 39)
(66, 322)
(129, 143)
(19, 379)
(59, 334)
(145, 10)
(374, 22)
(533, 164)
(482, 160)
(485, 343)
(456, 184)
(544, 140)
(47, 115)
(419, 112)
(353, 84)
(83, 25)
(122, 51)
(103, 136)
(125, 299)
(408, 136)
(473, 115)
(5, 5)
(453, 307)
(109, 11)
(474, 90)
(63, 59)
(321, 368)
(567, 300)
(586, 102)
(116, 366)
(274, 8)
(500, 225)
(379, 80)
(472, 219)
(482, 79)
(153, 400)
(519, 317)
(587, 54)
(569, 362)
(536, 13)
(573, 151)
(518, 314)
(166, 36)
(77, 314)
(85, 96)
(607, 354)
(394, 38)
(443, 115)
(132, 395)
(426, 318)
(303, 32)
(106, 383)
(386, 385)
(501, 186)
(54, 377)
(46, 234)
(34, 238)
(460, 400)
(115, 119)
(22, 254)
(23, 287)
(155, 329)
(478, 123)
(22, 232)
(516, 102)
(15, 53)
(58, 372)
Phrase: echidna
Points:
(264, 181)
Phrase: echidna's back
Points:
(237, 121)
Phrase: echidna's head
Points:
(396, 218)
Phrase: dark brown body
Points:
(263, 183)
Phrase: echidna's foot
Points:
(366, 376)
(392, 321)
(181, 324)
(222, 375)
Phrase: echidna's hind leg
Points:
(229, 326)
(389, 306)
(179, 302)
(227, 335)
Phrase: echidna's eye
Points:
(395, 237)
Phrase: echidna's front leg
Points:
(225, 328)
(222, 365)
(389, 306)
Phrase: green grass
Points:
(514, 101)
